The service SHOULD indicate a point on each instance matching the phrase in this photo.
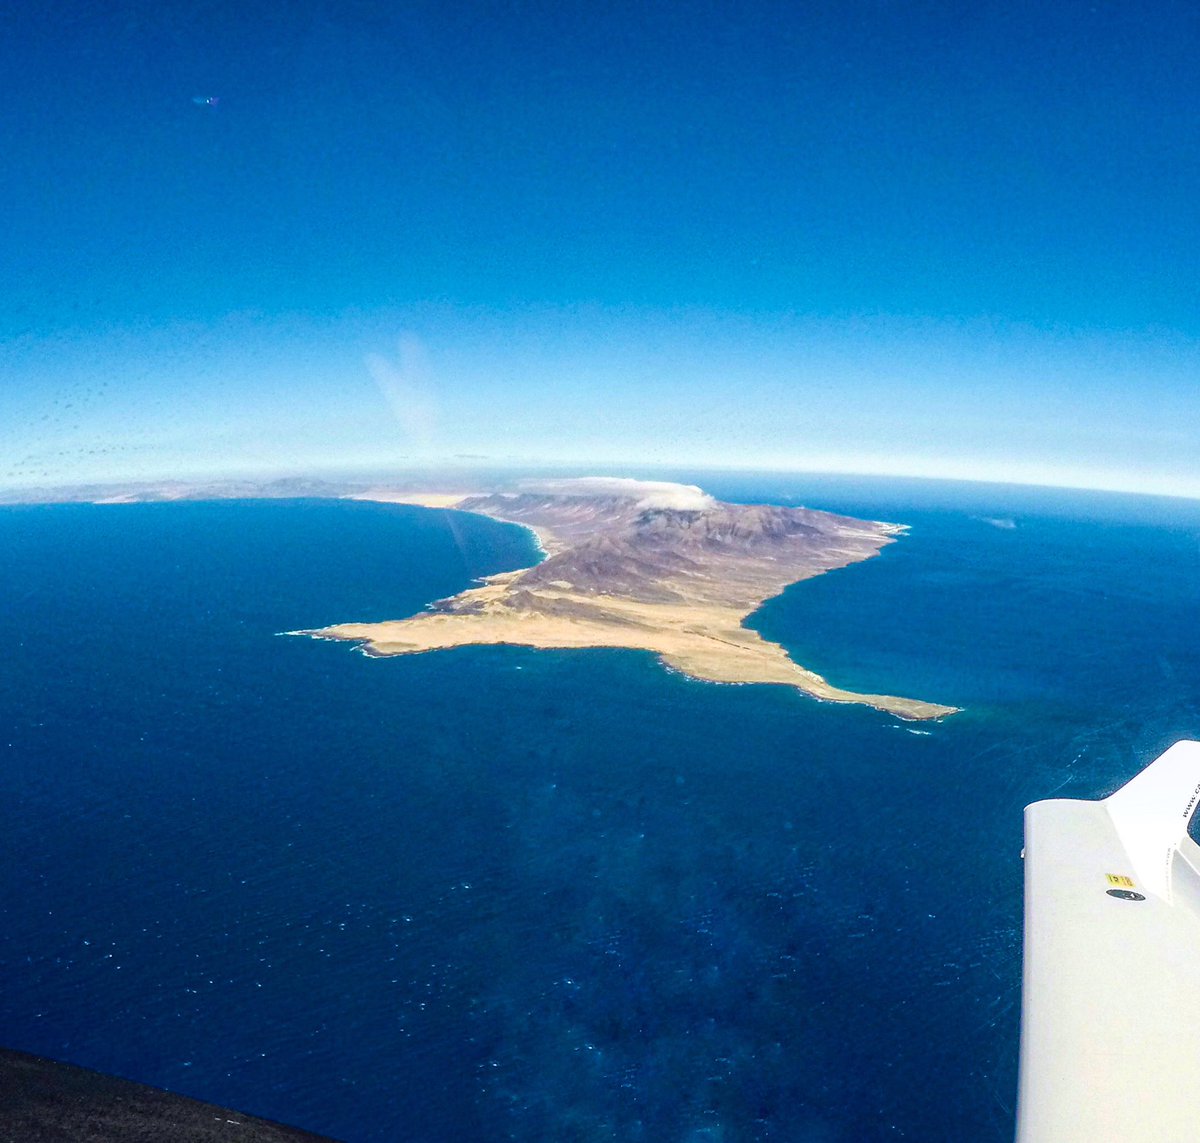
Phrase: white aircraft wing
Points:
(1110, 1012)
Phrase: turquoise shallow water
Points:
(501, 893)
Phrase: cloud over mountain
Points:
(648, 493)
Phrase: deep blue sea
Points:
(506, 894)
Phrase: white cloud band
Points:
(648, 493)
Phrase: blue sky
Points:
(923, 238)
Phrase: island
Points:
(644, 565)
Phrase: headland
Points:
(647, 566)
(644, 565)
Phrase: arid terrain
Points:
(661, 568)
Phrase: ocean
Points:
(508, 894)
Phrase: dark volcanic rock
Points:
(616, 546)
(42, 1101)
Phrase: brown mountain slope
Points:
(672, 573)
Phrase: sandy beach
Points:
(705, 643)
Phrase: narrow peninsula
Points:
(644, 565)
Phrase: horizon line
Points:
(407, 473)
